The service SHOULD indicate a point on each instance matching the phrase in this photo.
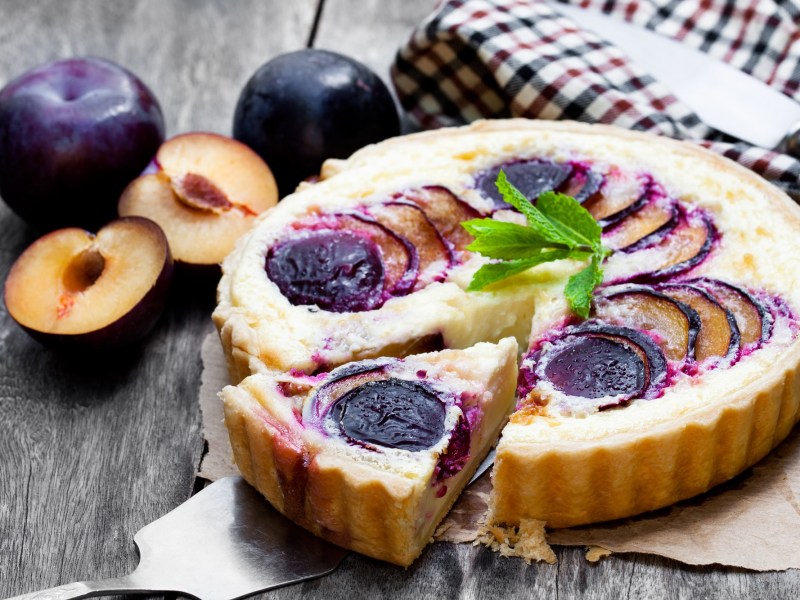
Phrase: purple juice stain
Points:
(393, 413)
(338, 271)
(594, 367)
(531, 177)
(457, 454)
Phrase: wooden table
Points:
(91, 451)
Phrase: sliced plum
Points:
(408, 220)
(685, 247)
(674, 323)
(531, 177)
(645, 227)
(621, 195)
(718, 335)
(340, 381)
(601, 362)
(753, 320)
(400, 257)
(583, 184)
(339, 271)
(446, 211)
(392, 413)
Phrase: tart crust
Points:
(563, 470)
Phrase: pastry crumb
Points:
(528, 541)
(596, 553)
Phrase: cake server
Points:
(225, 542)
(722, 96)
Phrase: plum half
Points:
(74, 288)
(205, 193)
(337, 271)
(605, 365)
(369, 407)
(392, 413)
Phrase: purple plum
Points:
(303, 107)
(73, 134)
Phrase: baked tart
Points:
(683, 375)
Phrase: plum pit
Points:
(83, 270)
(199, 192)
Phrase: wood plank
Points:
(90, 452)
(90, 449)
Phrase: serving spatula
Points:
(225, 542)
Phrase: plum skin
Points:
(73, 134)
(306, 106)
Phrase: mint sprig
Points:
(557, 228)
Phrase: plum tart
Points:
(373, 454)
(683, 375)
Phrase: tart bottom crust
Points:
(575, 483)
(354, 505)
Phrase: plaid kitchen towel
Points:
(520, 58)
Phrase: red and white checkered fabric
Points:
(502, 58)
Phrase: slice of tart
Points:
(372, 455)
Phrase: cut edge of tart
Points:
(307, 444)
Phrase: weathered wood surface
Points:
(90, 452)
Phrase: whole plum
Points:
(73, 134)
(303, 107)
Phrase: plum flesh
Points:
(338, 271)
(392, 413)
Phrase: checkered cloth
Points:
(514, 58)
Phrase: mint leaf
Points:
(557, 228)
(536, 220)
(570, 218)
(508, 241)
(580, 286)
(494, 272)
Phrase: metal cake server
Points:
(225, 542)
(721, 95)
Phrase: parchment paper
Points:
(752, 522)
